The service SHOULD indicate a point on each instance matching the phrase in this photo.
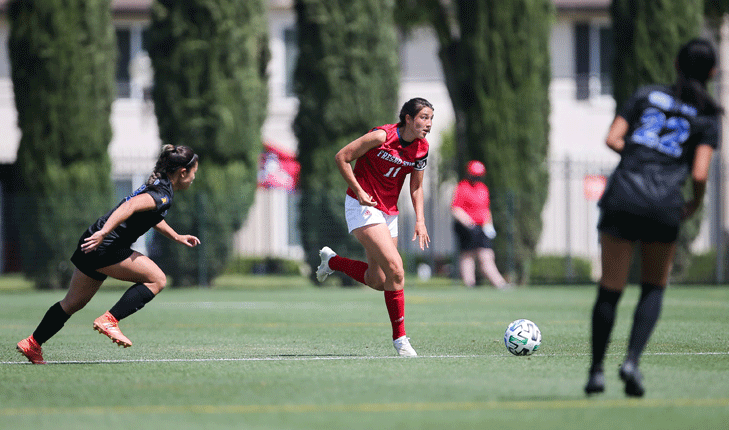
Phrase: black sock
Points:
(131, 301)
(52, 323)
(603, 319)
(644, 320)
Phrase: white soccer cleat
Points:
(323, 270)
(403, 347)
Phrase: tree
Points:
(495, 58)
(210, 93)
(62, 55)
(346, 79)
(648, 35)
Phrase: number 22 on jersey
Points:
(665, 135)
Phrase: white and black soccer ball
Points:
(522, 337)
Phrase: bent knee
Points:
(397, 273)
(71, 306)
(376, 281)
(157, 283)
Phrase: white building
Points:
(582, 109)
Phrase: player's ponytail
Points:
(694, 65)
(171, 159)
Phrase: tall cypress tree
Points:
(495, 58)
(648, 35)
(62, 55)
(210, 93)
(346, 79)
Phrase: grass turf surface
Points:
(291, 356)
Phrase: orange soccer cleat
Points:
(31, 349)
(109, 326)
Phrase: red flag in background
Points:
(277, 168)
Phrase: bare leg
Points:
(467, 267)
(487, 262)
(385, 268)
(385, 272)
(656, 263)
(80, 291)
(138, 268)
(616, 257)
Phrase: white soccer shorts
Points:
(360, 216)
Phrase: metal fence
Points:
(569, 217)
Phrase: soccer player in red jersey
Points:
(383, 158)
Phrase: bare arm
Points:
(167, 231)
(139, 203)
(416, 195)
(615, 139)
(699, 176)
(353, 151)
(462, 217)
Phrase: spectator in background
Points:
(474, 228)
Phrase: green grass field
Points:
(276, 353)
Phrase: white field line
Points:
(335, 358)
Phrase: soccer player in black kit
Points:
(105, 250)
(663, 134)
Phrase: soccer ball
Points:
(522, 337)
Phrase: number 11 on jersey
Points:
(392, 172)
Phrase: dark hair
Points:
(171, 159)
(694, 63)
(412, 107)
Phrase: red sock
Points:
(395, 302)
(353, 268)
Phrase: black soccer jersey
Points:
(139, 222)
(658, 155)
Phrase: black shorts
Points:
(88, 263)
(632, 227)
(471, 238)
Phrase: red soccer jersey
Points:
(381, 171)
(473, 199)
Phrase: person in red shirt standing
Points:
(474, 228)
(383, 158)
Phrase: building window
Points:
(4, 54)
(133, 71)
(607, 55)
(593, 60)
(291, 45)
(124, 52)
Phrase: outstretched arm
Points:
(167, 231)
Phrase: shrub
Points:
(552, 269)
(263, 266)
